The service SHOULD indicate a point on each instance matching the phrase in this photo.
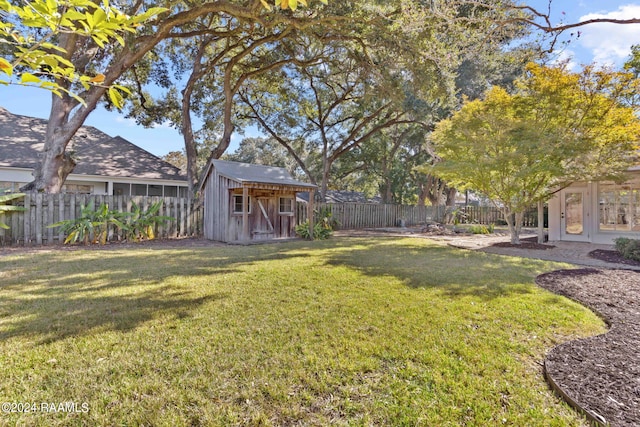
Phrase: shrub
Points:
(9, 208)
(140, 224)
(628, 248)
(322, 229)
(93, 224)
(481, 229)
(319, 232)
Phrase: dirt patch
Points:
(600, 375)
(148, 244)
(612, 256)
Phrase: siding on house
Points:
(596, 212)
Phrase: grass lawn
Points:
(349, 331)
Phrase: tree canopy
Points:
(558, 128)
(80, 49)
(223, 46)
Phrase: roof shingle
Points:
(96, 153)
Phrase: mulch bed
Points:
(612, 256)
(528, 243)
(600, 375)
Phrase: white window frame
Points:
(234, 204)
(291, 200)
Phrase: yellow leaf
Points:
(284, 4)
(116, 98)
(266, 5)
(98, 79)
(6, 67)
(293, 4)
(29, 78)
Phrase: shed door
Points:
(265, 218)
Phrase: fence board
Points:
(352, 216)
(32, 226)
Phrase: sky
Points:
(601, 43)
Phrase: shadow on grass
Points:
(52, 296)
(45, 320)
(452, 271)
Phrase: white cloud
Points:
(568, 57)
(610, 44)
(164, 125)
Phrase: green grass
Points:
(339, 332)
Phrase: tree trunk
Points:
(514, 222)
(386, 193)
(451, 196)
(324, 185)
(189, 141)
(541, 222)
(56, 164)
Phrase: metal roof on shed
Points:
(248, 173)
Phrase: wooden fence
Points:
(491, 215)
(352, 216)
(31, 227)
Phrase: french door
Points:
(574, 215)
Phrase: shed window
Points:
(237, 204)
(286, 206)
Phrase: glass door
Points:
(572, 217)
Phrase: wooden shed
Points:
(245, 202)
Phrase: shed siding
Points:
(221, 224)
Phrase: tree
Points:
(216, 70)
(177, 159)
(109, 61)
(31, 29)
(86, 52)
(558, 128)
(264, 151)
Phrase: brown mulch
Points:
(528, 243)
(612, 256)
(600, 375)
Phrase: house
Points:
(105, 165)
(245, 202)
(596, 212)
